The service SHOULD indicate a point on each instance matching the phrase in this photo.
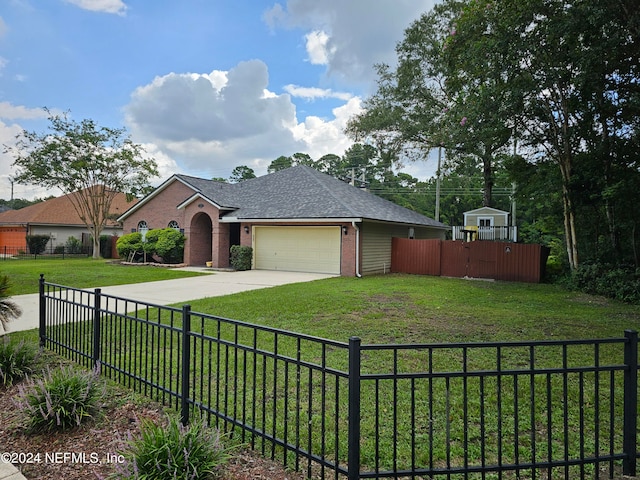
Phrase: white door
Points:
(297, 249)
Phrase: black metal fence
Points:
(545, 409)
(59, 251)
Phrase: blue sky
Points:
(204, 85)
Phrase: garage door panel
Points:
(298, 249)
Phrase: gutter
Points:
(358, 274)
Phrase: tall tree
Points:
(241, 173)
(572, 66)
(426, 103)
(280, 163)
(90, 163)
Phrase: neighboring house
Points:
(297, 219)
(57, 218)
(486, 223)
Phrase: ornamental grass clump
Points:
(17, 360)
(174, 452)
(64, 398)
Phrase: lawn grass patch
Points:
(420, 309)
(81, 273)
(399, 309)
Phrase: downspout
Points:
(358, 274)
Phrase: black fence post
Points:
(42, 311)
(629, 441)
(96, 327)
(186, 356)
(353, 453)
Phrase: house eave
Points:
(409, 224)
(231, 219)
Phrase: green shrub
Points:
(63, 399)
(241, 257)
(150, 240)
(37, 243)
(128, 244)
(170, 245)
(174, 452)
(17, 360)
(73, 246)
(613, 281)
(166, 243)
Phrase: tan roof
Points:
(60, 211)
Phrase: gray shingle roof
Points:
(302, 193)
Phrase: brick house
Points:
(297, 219)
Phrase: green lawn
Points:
(417, 309)
(410, 309)
(80, 273)
(396, 309)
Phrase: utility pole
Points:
(513, 187)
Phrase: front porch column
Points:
(220, 245)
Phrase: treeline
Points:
(18, 203)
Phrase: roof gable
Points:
(486, 211)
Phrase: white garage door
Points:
(297, 249)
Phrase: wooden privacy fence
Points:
(514, 262)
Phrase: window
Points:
(143, 228)
(485, 221)
(173, 224)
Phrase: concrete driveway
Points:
(181, 290)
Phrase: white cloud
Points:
(106, 6)
(355, 34)
(211, 123)
(19, 112)
(166, 165)
(322, 137)
(317, 49)
(3, 27)
(275, 16)
(311, 93)
(212, 107)
(8, 133)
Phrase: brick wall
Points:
(160, 210)
(348, 260)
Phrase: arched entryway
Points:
(199, 238)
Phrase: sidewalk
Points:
(9, 472)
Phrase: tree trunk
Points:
(569, 216)
(487, 175)
(95, 234)
(633, 245)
